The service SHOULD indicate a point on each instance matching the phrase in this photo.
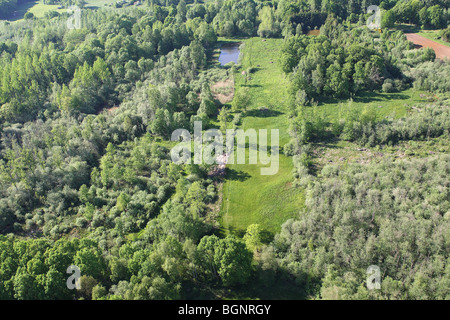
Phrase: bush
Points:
(289, 149)
(81, 222)
(432, 121)
(28, 16)
(388, 86)
(432, 76)
(445, 35)
(399, 85)
(236, 120)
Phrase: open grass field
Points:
(386, 105)
(248, 196)
(98, 3)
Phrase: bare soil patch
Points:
(440, 50)
(314, 32)
(223, 91)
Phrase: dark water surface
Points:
(229, 52)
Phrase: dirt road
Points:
(441, 50)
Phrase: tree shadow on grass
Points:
(263, 113)
(406, 28)
(251, 85)
(330, 142)
(236, 175)
(237, 232)
(274, 285)
(367, 97)
(374, 96)
(267, 236)
(263, 285)
(254, 69)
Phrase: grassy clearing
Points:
(39, 9)
(98, 3)
(248, 196)
(392, 105)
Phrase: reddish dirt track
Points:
(440, 50)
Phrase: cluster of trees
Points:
(37, 268)
(342, 63)
(236, 18)
(339, 63)
(47, 161)
(434, 16)
(393, 215)
(432, 76)
(301, 15)
(434, 13)
(72, 168)
(7, 7)
(83, 70)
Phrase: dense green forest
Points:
(86, 176)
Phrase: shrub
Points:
(445, 34)
(81, 222)
(388, 86)
(28, 16)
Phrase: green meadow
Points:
(248, 196)
(385, 105)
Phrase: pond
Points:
(229, 52)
